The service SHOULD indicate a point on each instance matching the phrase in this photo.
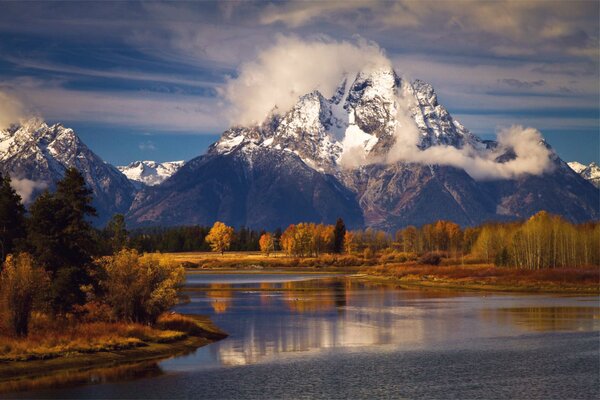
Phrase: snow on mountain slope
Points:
(589, 172)
(326, 157)
(40, 153)
(359, 122)
(150, 173)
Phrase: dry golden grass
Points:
(50, 339)
(572, 279)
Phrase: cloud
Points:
(26, 187)
(292, 68)
(11, 110)
(172, 112)
(148, 145)
(531, 156)
(519, 84)
(502, 27)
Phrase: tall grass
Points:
(53, 338)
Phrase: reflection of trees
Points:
(221, 295)
(547, 318)
(146, 369)
(302, 301)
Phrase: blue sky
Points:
(141, 80)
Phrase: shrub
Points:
(20, 284)
(430, 259)
(140, 287)
(94, 311)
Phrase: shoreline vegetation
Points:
(85, 347)
(451, 274)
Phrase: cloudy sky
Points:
(144, 80)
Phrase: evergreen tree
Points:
(12, 218)
(116, 232)
(62, 239)
(338, 236)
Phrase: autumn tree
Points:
(21, 284)
(350, 242)
(267, 245)
(409, 237)
(220, 237)
(140, 287)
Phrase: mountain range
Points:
(150, 173)
(317, 161)
(590, 172)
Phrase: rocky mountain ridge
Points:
(590, 172)
(338, 141)
(39, 154)
(150, 173)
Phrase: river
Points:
(302, 336)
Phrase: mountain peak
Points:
(150, 173)
(40, 153)
(590, 172)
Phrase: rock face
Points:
(589, 172)
(38, 155)
(150, 173)
(262, 188)
(308, 164)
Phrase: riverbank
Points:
(175, 335)
(487, 278)
(384, 268)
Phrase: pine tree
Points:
(62, 239)
(116, 231)
(12, 218)
(339, 234)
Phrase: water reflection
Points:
(81, 377)
(273, 320)
(296, 316)
(543, 319)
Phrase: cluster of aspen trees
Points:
(542, 241)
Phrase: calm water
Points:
(298, 336)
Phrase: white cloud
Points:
(531, 156)
(11, 110)
(26, 187)
(292, 68)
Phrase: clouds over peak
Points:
(503, 27)
(294, 67)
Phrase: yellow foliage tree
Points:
(21, 282)
(140, 287)
(220, 237)
(350, 242)
(266, 243)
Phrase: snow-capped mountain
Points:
(589, 172)
(150, 173)
(360, 119)
(39, 154)
(319, 160)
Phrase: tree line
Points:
(55, 262)
(542, 241)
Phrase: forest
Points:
(541, 241)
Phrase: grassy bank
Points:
(63, 347)
(488, 277)
(403, 269)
